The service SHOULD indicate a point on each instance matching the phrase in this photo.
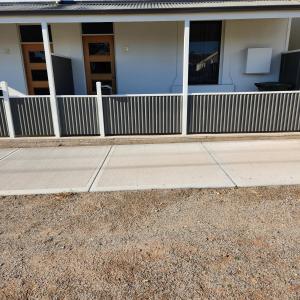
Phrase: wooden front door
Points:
(35, 68)
(99, 62)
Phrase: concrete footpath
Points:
(149, 166)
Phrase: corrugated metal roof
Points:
(137, 5)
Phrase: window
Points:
(33, 34)
(99, 67)
(41, 91)
(97, 28)
(204, 53)
(101, 48)
(39, 75)
(37, 57)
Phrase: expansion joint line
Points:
(220, 166)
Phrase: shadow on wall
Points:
(14, 93)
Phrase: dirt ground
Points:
(173, 244)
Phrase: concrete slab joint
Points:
(149, 166)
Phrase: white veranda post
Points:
(100, 108)
(8, 114)
(185, 81)
(48, 58)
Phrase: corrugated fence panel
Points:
(78, 115)
(32, 116)
(242, 113)
(145, 114)
(3, 123)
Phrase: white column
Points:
(8, 114)
(288, 34)
(47, 49)
(100, 108)
(185, 77)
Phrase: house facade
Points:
(146, 51)
(144, 47)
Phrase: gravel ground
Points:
(173, 244)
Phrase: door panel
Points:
(35, 69)
(99, 61)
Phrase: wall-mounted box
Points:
(258, 60)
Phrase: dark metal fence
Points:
(3, 123)
(78, 115)
(32, 116)
(145, 114)
(244, 112)
(155, 114)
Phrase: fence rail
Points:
(244, 112)
(78, 115)
(147, 114)
(3, 122)
(153, 114)
(32, 116)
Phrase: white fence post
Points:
(53, 100)
(100, 108)
(9, 119)
(185, 79)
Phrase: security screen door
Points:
(99, 61)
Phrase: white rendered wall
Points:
(242, 34)
(149, 57)
(146, 55)
(295, 35)
(67, 41)
(11, 60)
(153, 62)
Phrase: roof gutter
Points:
(147, 11)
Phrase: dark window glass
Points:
(37, 56)
(33, 33)
(39, 75)
(1, 93)
(100, 67)
(204, 54)
(106, 86)
(99, 49)
(97, 28)
(41, 91)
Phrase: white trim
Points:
(248, 93)
(83, 60)
(288, 34)
(118, 95)
(9, 119)
(233, 15)
(221, 57)
(22, 58)
(291, 51)
(32, 96)
(47, 49)
(185, 76)
(100, 108)
(115, 59)
(146, 95)
(164, 95)
(73, 96)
